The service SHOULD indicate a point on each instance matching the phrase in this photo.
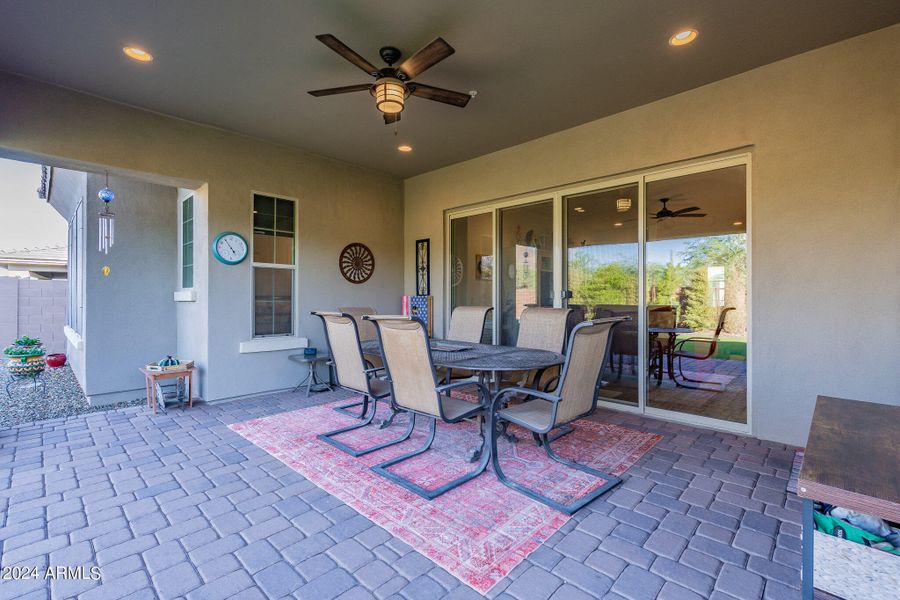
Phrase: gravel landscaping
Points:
(64, 398)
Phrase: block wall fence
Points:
(36, 308)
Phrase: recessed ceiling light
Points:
(617, 224)
(683, 37)
(404, 148)
(578, 209)
(738, 223)
(137, 54)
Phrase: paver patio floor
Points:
(180, 506)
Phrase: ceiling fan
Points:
(394, 84)
(666, 213)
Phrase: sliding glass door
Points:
(472, 264)
(526, 263)
(696, 269)
(602, 274)
(667, 248)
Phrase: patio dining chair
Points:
(415, 389)
(466, 325)
(366, 332)
(366, 329)
(354, 375)
(540, 329)
(575, 397)
(679, 354)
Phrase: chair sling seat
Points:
(414, 388)
(342, 334)
(576, 397)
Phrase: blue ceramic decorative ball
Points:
(106, 194)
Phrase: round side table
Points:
(312, 381)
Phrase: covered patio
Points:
(552, 301)
(182, 506)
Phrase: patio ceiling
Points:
(538, 67)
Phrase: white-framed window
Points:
(187, 243)
(74, 314)
(274, 265)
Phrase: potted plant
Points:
(26, 357)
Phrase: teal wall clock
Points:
(230, 248)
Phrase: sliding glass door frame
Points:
(559, 196)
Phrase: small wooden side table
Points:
(151, 377)
(850, 461)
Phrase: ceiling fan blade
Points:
(439, 94)
(686, 210)
(690, 215)
(426, 58)
(341, 90)
(345, 51)
(391, 118)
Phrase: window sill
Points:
(188, 295)
(74, 338)
(273, 344)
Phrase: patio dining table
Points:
(672, 333)
(482, 358)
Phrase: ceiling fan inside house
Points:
(666, 213)
(393, 85)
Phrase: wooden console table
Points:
(850, 461)
(151, 377)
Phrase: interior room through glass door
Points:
(602, 278)
(472, 265)
(696, 269)
(526, 263)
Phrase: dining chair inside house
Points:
(707, 350)
(354, 374)
(575, 397)
(660, 317)
(415, 389)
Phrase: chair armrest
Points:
(527, 392)
(701, 340)
(452, 386)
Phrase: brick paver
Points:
(179, 506)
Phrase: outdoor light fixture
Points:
(623, 204)
(683, 37)
(137, 54)
(390, 94)
(404, 148)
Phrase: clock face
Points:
(230, 248)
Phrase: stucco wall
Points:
(824, 132)
(338, 204)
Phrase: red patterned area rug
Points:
(479, 531)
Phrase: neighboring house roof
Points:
(46, 258)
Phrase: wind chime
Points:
(107, 218)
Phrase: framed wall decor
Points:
(423, 267)
(484, 267)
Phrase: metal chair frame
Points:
(368, 394)
(677, 352)
(382, 468)
(541, 434)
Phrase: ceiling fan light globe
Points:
(390, 95)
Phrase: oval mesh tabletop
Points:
(483, 357)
